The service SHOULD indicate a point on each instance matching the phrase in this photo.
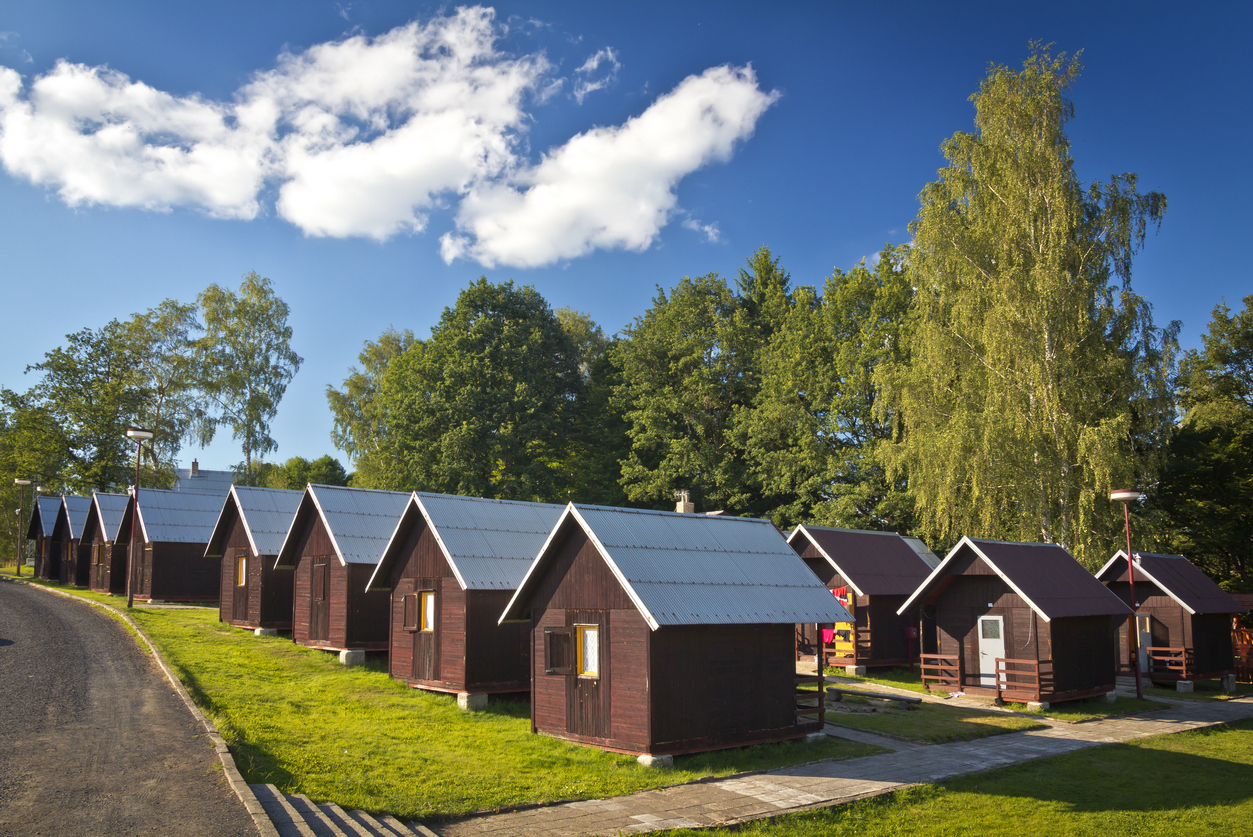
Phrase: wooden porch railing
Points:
(810, 705)
(1171, 662)
(945, 671)
(1242, 648)
(1023, 681)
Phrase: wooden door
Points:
(991, 647)
(319, 601)
(143, 570)
(425, 619)
(239, 591)
(587, 695)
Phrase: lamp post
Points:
(1125, 496)
(21, 519)
(140, 435)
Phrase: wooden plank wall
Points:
(496, 655)
(1211, 642)
(181, 572)
(311, 540)
(1083, 652)
(365, 619)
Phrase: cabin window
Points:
(427, 598)
(411, 612)
(241, 570)
(990, 628)
(588, 642)
(99, 554)
(558, 658)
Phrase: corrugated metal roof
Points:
(178, 516)
(43, 517)
(874, 563)
(924, 552)
(111, 508)
(76, 509)
(206, 482)
(689, 569)
(360, 521)
(266, 515)
(1178, 578)
(1045, 575)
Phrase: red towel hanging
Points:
(828, 635)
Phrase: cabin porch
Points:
(1015, 681)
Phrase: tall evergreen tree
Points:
(1033, 368)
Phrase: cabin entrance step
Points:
(295, 815)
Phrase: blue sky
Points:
(594, 150)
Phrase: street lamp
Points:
(140, 435)
(21, 519)
(1125, 496)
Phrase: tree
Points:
(246, 360)
(485, 406)
(1031, 375)
(33, 447)
(1206, 491)
(360, 427)
(298, 472)
(812, 435)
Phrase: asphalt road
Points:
(93, 740)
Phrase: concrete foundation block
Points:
(1111, 697)
(815, 737)
(471, 701)
(265, 632)
(1229, 683)
(855, 671)
(655, 761)
(1041, 706)
(352, 658)
(1183, 686)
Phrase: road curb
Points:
(259, 818)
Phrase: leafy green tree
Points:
(246, 360)
(1206, 490)
(812, 435)
(360, 427)
(1031, 376)
(486, 405)
(33, 447)
(298, 472)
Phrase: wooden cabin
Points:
(1183, 619)
(1019, 621)
(662, 633)
(246, 540)
(335, 542)
(43, 519)
(173, 530)
(451, 566)
(872, 574)
(108, 553)
(75, 557)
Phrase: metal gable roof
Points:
(111, 508)
(689, 569)
(874, 563)
(266, 515)
(205, 482)
(76, 509)
(43, 516)
(359, 521)
(489, 544)
(1178, 578)
(178, 516)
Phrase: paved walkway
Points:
(746, 797)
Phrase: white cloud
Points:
(710, 231)
(609, 187)
(593, 78)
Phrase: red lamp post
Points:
(1125, 496)
(140, 436)
(21, 520)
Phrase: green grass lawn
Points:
(1191, 783)
(1202, 690)
(296, 718)
(929, 723)
(1090, 709)
(899, 678)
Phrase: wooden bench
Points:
(837, 693)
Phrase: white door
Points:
(991, 646)
(1144, 638)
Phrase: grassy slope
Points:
(1197, 782)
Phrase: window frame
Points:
(241, 568)
(426, 611)
(558, 653)
(580, 633)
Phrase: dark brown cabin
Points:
(246, 540)
(108, 553)
(1183, 621)
(335, 542)
(451, 567)
(872, 574)
(173, 531)
(68, 533)
(43, 519)
(1021, 622)
(656, 632)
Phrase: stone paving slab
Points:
(822, 784)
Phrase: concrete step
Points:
(296, 815)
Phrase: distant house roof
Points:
(924, 552)
(489, 544)
(1177, 577)
(218, 482)
(266, 514)
(76, 509)
(43, 517)
(873, 563)
(1045, 575)
(177, 516)
(111, 508)
(359, 521)
(694, 569)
